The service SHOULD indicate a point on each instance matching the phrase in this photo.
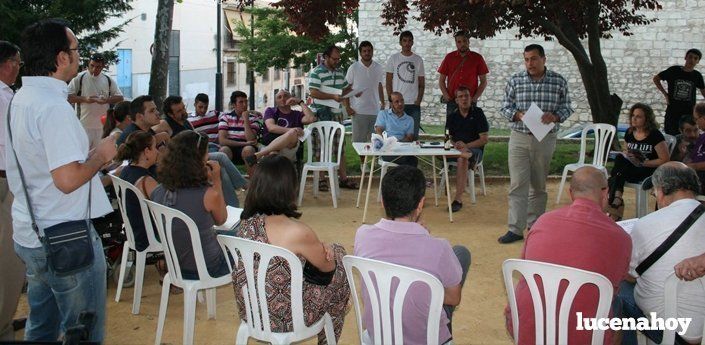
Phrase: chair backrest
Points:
(121, 188)
(327, 130)
(380, 294)
(604, 134)
(670, 299)
(255, 292)
(551, 276)
(671, 142)
(164, 218)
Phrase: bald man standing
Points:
(582, 236)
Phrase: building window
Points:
(230, 70)
(299, 71)
(277, 74)
(265, 76)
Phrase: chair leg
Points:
(316, 179)
(471, 182)
(442, 185)
(302, 185)
(382, 171)
(243, 333)
(189, 315)
(123, 268)
(140, 260)
(562, 185)
(481, 171)
(163, 303)
(210, 303)
(333, 187)
(330, 331)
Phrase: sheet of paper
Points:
(532, 120)
(307, 133)
(628, 224)
(329, 102)
(354, 92)
(233, 218)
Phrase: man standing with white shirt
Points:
(11, 268)
(93, 92)
(52, 149)
(367, 74)
(405, 74)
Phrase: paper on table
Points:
(233, 218)
(307, 133)
(354, 92)
(532, 120)
(628, 224)
(329, 102)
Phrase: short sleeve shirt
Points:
(697, 155)
(406, 71)
(294, 119)
(128, 130)
(320, 77)
(361, 76)
(468, 128)
(681, 89)
(461, 73)
(235, 126)
(420, 251)
(207, 124)
(176, 127)
(394, 125)
(647, 147)
(93, 86)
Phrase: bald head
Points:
(588, 182)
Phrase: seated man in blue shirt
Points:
(397, 124)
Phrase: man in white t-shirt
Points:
(675, 187)
(405, 74)
(367, 74)
(93, 92)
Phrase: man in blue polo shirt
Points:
(397, 124)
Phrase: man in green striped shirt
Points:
(327, 86)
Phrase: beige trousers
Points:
(12, 273)
(529, 162)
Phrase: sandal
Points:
(323, 185)
(348, 184)
(616, 208)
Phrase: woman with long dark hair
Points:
(646, 149)
(117, 119)
(191, 184)
(270, 216)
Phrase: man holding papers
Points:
(535, 102)
(327, 85)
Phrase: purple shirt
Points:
(698, 153)
(421, 251)
(291, 120)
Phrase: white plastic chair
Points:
(164, 218)
(604, 134)
(551, 277)
(121, 188)
(479, 170)
(642, 196)
(258, 325)
(327, 130)
(383, 274)
(670, 298)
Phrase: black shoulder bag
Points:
(671, 240)
(68, 245)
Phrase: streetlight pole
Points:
(251, 72)
(219, 61)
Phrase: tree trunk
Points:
(160, 55)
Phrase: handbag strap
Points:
(671, 240)
(24, 184)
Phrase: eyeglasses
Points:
(201, 137)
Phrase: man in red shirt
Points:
(462, 67)
(581, 236)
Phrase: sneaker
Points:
(456, 206)
(509, 237)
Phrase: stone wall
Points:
(632, 60)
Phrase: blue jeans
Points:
(414, 111)
(55, 302)
(229, 176)
(464, 257)
(625, 307)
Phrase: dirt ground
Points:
(478, 320)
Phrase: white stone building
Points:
(632, 61)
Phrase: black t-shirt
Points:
(128, 130)
(467, 129)
(647, 147)
(681, 89)
(176, 128)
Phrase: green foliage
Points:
(86, 18)
(275, 44)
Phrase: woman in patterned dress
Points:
(270, 216)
